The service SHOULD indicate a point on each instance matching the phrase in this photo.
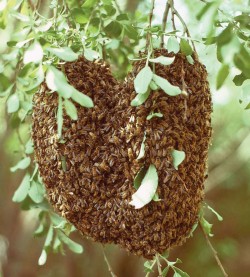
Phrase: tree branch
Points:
(214, 252)
(108, 264)
(164, 22)
(150, 21)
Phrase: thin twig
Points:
(151, 13)
(214, 252)
(164, 22)
(171, 3)
(108, 264)
(158, 265)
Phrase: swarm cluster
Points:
(89, 173)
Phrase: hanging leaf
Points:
(90, 54)
(179, 273)
(143, 79)
(185, 47)
(33, 54)
(142, 149)
(222, 75)
(82, 99)
(64, 53)
(152, 115)
(113, 29)
(153, 85)
(43, 258)
(173, 45)
(219, 217)
(13, 103)
(163, 60)
(147, 190)
(178, 157)
(79, 16)
(23, 164)
(207, 227)
(73, 246)
(59, 117)
(166, 86)
(140, 99)
(190, 59)
(36, 192)
(70, 109)
(22, 191)
(139, 177)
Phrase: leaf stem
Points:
(151, 13)
(108, 264)
(214, 251)
(164, 22)
(158, 265)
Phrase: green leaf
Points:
(43, 258)
(166, 86)
(79, 16)
(29, 147)
(64, 53)
(73, 246)
(139, 177)
(33, 54)
(90, 54)
(142, 149)
(165, 271)
(179, 272)
(163, 60)
(190, 59)
(148, 266)
(247, 107)
(59, 117)
(147, 190)
(178, 157)
(222, 75)
(207, 227)
(56, 81)
(219, 217)
(13, 103)
(185, 47)
(143, 79)
(49, 237)
(152, 115)
(22, 191)
(23, 164)
(156, 197)
(140, 99)
(82, 99)
(70, 109)
(225, 36)
(153, 85)
(173, 45)
(36, 192)
(89, 4)
(239, 79)
(113, 29)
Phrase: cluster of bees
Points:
(100, 150)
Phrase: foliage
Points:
(42, 42)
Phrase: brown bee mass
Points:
(89, 174)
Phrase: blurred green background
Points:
(227, 191)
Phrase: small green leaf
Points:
(247, 106)
(90, 54)
(29, 147)
(163, 60)
(113, 29)
(73, 246)
(207, 227)
(22, 191)
(82, 99)
(70, 109)
(59, 117)
(185, 47)
(152, 115)
(165, 271)
(143, 79)
(219, 217)
(13, 103)
(139, 177)
(153, 85)
(147, 190)
(23, 164)
(173, 45)
(49, 237)
(190, 59)
(222, 75)
(179, 272)
(89, 4)
(166, 86)
(148, 266)
(43, 258)
(64, 53)
(33, 54)
(156, 197)
(79, 16)
(178, 157)
(36, 192)
(140, 99)
(142, 149)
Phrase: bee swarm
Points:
(89, 175)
